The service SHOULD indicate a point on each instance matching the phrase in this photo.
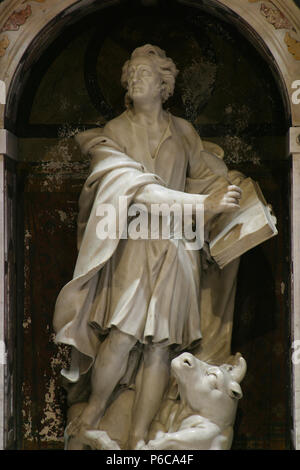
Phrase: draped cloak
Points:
(97, 297)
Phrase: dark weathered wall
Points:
(229, 94)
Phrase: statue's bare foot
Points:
(152, 444)
(98, 440)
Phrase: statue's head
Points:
(211, 390)
(163, 65)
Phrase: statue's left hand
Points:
(223, 200)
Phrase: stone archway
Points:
(29, 27)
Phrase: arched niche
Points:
(35, 30)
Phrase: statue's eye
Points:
(212, 374)
(212, 380)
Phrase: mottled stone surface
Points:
(50, 209)
(293, 45)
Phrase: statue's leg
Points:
(109, 367)
(154, 382)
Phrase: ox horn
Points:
(239, 370)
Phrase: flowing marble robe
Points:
(151, 289)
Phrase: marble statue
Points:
(134, 305)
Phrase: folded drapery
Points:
(114, 174)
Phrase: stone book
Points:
(235, 233)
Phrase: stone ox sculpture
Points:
(205, 416)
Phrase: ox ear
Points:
(235, 390)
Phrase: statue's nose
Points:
(135, 76)
(187, 359)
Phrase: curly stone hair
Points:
(165, 65)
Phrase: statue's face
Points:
(144, 80)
